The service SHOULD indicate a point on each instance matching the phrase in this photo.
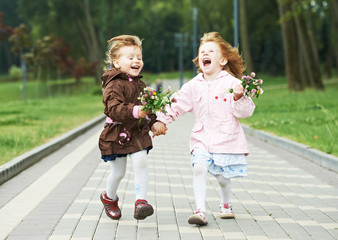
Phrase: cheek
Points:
(200, 62)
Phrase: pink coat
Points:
(216, 129)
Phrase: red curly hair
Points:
(235, 64)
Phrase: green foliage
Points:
(156, 101)
(20, 39)
(157, 21)
(97, 90)
(15, 73)
(308, 117)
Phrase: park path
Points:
(58, 198)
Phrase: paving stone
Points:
(278, 200)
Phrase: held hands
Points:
(159, 128)
(238, 92)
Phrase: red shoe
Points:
(142, 209)
(111, 207)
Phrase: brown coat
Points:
(129, 134)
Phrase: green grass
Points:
(53, 108)
(13, 91)
(308, 117)
(50, 109)
(26, 125)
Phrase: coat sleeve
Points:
(182, 105)
(116, 106)
(243, 108)
(153, 119)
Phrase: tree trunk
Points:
(95, 54)
(303, 74)
(244, 37)
(111, 6)
(309, 58)
(334, 32)
(312, 34)
(291, 56)
(328, 63)
(85, 36)
(304, 53)
(9, 59)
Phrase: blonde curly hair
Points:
(235, 64)
(115, 44)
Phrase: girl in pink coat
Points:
(217, 144)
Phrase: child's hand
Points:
(141, 113)
(159, 128)
(238, 92)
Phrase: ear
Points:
(116, 63)
(224, 62)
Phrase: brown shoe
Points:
(111, 207)
(142, 209)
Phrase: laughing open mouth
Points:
(135, 67)
(206, 62)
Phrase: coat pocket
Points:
(230, 127)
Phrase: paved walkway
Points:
(284, 197)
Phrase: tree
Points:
(5, 32)
(334, 35)
(300, 57)
(20, 39)
(71, 20)
(244, 36)
(308, 55)
(290, 47)
(90, 33)
(266, 45)
(87, 25)
(331, 35)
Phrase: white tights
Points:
(200, 186)
(140, 166)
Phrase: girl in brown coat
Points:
(126, 131)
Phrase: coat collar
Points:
(113, 74)
(223, 73)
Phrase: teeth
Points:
(206, 61)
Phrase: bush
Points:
(97, 90)
(15, 73)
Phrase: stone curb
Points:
(322, 159)
(20, 163)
